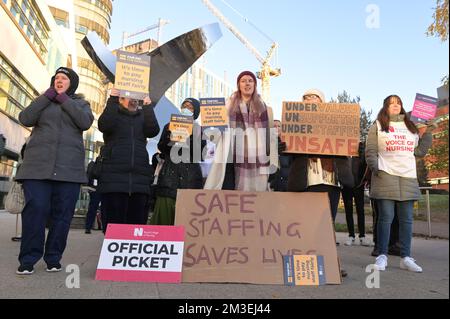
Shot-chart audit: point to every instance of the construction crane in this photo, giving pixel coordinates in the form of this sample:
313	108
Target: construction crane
266	71
158	25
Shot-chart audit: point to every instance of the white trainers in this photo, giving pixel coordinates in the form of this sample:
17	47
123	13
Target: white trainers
365	242
381	263
350	241
409	263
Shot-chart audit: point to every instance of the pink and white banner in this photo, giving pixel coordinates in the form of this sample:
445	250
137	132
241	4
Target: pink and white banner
424	108
141	253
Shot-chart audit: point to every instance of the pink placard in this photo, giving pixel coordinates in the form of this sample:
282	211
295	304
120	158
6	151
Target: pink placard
424	108
142	253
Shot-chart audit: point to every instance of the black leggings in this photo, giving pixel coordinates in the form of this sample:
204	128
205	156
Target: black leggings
334	193
358	194
121	208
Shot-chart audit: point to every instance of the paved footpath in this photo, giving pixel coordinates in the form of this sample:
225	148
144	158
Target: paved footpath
83	250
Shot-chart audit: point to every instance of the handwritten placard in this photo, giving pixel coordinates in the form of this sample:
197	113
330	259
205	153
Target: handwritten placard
323	128
235	236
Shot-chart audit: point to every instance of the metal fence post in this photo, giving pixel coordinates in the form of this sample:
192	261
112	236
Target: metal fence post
427	198
428	212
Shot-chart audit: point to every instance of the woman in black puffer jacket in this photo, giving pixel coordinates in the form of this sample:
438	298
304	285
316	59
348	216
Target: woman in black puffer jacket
184	175
126	172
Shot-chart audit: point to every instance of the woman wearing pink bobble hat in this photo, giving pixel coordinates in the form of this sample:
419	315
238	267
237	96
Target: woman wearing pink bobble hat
245	165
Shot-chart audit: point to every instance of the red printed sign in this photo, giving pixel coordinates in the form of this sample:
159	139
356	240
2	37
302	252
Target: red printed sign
141	253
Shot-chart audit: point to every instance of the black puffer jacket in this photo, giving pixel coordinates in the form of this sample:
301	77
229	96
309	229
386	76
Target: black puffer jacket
182	175
125	165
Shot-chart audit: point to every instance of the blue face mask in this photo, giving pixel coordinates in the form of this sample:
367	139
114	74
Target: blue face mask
186	112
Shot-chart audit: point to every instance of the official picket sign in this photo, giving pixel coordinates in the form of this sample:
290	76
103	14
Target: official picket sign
141	253
321	128
237	237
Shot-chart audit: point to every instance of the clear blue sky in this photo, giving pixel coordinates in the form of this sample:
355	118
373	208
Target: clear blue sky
324	44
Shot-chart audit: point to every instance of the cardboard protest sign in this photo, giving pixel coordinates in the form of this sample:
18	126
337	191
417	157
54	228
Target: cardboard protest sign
304	270
322	128
140	253
180	127
242	237
132	75
213	113
424	108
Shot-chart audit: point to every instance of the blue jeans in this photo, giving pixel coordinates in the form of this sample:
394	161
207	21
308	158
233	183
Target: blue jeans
386	210
46	201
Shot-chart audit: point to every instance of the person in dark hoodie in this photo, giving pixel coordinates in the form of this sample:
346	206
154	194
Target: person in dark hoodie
52	170
186	174
126	173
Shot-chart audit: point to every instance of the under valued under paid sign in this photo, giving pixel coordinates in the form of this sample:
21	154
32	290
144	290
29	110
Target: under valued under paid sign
321	128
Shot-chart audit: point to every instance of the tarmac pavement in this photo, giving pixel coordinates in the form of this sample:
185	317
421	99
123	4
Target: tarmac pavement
83	250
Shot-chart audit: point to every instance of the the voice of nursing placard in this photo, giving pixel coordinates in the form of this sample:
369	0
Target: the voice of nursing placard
141	253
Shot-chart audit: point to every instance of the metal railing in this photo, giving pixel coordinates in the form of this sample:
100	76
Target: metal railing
427	199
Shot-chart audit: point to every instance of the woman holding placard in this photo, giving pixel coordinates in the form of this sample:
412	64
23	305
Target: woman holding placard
324	173
125	169
178	171
392	147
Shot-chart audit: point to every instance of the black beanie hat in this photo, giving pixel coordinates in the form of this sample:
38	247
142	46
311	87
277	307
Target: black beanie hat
73	77
196	104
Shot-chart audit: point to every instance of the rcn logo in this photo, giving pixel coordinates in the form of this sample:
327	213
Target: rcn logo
138	232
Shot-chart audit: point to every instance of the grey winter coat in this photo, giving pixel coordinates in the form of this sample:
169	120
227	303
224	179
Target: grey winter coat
55	150
384	185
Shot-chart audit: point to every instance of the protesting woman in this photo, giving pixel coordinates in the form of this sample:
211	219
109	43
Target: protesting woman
52	169
392	147
312	173
126	173
250	147
176	174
